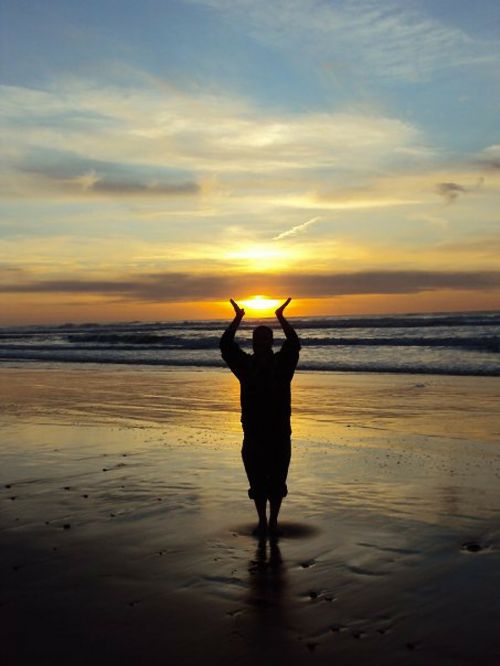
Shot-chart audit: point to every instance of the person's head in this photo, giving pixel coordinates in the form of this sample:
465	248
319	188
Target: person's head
262	340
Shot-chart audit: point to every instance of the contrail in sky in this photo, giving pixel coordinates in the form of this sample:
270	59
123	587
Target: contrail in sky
297	230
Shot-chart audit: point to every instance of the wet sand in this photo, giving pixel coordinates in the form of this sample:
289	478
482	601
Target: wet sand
125	529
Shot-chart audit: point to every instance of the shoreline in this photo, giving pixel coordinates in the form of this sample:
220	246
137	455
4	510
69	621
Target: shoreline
7	362
125	525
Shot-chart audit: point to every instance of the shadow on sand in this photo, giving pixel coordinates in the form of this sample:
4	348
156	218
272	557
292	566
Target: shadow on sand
287	530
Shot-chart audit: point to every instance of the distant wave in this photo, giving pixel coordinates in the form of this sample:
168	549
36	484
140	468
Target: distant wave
490	344
471	319
451	343
128	342
168	341
131	341
405	321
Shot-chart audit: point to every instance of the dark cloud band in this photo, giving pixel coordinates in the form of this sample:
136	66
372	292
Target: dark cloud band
179	287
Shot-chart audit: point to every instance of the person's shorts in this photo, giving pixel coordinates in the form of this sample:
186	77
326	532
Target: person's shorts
266	461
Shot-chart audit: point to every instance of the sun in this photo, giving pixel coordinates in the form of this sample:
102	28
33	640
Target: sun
260	304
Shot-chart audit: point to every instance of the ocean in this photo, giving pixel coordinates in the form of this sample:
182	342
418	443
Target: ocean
449	344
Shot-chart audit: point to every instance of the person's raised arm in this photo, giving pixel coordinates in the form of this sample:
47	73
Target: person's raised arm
231	353
230	332
288	329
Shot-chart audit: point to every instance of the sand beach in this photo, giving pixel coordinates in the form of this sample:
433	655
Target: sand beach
125	528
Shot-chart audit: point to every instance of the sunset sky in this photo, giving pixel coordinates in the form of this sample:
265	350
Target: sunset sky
160	157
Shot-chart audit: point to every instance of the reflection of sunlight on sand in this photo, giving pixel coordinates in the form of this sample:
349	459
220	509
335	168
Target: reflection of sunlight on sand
127	483
386	443
326	403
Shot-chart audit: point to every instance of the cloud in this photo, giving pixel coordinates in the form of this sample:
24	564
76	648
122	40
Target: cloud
387	40
410	187
198	134
183	287
435	221
91	183
70	172
299	228
484	247
490	157
8	272
450	191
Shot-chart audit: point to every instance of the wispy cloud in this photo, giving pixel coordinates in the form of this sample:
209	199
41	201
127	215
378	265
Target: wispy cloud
490	157
195	134
483	247
298	229
387	40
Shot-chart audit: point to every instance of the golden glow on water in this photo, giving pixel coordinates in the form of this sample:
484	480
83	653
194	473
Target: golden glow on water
260	305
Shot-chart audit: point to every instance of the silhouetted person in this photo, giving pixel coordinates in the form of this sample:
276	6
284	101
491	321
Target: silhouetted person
265	379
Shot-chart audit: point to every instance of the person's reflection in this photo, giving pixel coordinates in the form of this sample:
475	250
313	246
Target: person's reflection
267	595
267	575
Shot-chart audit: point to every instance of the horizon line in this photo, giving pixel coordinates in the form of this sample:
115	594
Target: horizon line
250	318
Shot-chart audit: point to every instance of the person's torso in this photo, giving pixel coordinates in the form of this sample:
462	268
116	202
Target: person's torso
266	395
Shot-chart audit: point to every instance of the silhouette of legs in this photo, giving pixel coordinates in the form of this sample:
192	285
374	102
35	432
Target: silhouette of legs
260	505
266	463
275	505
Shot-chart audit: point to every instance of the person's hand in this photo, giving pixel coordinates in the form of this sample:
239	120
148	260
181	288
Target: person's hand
239	312
279	311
